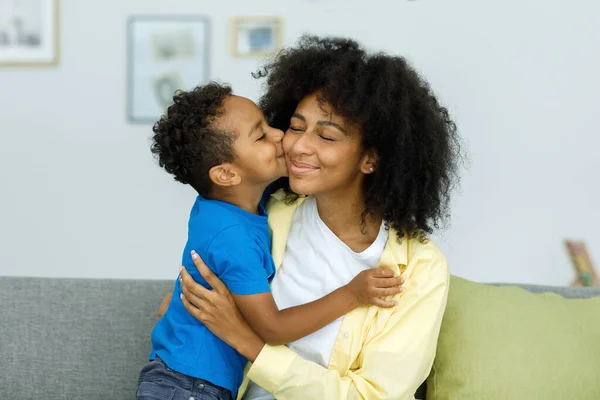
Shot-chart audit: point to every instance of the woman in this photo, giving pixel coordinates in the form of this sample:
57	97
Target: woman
375	157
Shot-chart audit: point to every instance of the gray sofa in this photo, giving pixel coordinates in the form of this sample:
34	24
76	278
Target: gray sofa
87	338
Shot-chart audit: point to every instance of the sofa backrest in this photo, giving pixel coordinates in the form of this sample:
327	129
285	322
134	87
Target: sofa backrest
75	338
86	338
564	291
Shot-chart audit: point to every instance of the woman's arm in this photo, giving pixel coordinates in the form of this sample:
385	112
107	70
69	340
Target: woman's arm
391	366
277	327
217	310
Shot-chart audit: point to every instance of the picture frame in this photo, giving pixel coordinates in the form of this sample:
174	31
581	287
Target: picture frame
165	53
29	33
256	36
582	264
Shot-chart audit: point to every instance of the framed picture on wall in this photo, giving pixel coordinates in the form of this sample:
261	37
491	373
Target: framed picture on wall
165	54
254	36
584	268
29	32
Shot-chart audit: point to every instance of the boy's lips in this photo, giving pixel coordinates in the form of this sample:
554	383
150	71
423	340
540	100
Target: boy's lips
300	168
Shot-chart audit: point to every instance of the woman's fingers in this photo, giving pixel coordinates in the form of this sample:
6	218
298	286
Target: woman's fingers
196	312
191	297
202	267
204	308
190	286
206	273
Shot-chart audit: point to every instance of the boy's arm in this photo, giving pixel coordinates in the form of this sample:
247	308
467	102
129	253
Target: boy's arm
278	327
242	272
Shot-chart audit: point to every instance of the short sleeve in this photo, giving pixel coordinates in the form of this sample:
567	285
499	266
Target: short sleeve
238	260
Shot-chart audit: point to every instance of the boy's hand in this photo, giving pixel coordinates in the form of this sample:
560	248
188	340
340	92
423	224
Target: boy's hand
371	286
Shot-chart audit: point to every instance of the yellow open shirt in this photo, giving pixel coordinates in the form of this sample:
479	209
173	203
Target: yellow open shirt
379	353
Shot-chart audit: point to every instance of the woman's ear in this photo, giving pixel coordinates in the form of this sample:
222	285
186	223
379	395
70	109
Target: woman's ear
369	162
224	175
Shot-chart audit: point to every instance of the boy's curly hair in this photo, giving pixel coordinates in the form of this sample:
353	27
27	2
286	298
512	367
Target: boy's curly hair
397	114
186	142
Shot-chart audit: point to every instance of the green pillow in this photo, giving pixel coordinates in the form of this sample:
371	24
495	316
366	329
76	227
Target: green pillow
506	343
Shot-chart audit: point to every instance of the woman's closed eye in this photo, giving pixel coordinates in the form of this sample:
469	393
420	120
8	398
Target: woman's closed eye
262	136
327	138
294	129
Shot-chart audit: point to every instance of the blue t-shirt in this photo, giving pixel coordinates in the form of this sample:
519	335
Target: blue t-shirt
236	246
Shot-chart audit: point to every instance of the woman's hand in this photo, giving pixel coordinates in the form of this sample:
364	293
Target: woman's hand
217	310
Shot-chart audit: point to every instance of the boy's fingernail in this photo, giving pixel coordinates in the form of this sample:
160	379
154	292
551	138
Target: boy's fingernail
401	290
180	268
181	296
194	255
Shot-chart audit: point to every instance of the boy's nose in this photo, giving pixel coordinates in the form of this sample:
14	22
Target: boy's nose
277	135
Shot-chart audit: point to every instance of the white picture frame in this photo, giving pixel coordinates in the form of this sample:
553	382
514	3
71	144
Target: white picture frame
256	36
165	54
29	32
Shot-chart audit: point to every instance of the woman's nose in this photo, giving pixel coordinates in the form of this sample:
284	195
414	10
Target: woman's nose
302	144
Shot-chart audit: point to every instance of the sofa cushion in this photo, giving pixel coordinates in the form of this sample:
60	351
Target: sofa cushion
507	343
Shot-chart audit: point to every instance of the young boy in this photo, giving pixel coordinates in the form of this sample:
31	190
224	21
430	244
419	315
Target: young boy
221	145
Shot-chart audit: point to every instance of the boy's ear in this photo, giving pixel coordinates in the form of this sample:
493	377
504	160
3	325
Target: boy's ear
369	162
224	175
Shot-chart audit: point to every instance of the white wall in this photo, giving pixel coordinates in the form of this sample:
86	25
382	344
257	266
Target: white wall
81	196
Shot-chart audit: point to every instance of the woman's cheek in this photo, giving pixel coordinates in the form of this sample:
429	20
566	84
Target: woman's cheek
288	141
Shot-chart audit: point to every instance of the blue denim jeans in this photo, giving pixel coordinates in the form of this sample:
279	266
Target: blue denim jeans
159	382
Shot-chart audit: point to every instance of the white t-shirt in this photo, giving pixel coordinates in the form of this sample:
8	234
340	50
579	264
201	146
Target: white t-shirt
316	262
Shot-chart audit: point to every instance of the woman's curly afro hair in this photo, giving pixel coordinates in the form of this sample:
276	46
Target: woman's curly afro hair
396	112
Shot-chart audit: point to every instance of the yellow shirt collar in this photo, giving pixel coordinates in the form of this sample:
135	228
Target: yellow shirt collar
394	256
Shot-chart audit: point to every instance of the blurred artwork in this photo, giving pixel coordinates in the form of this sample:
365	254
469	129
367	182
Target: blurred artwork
586	274
174	45
165	54
28	32
256	36
164	86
